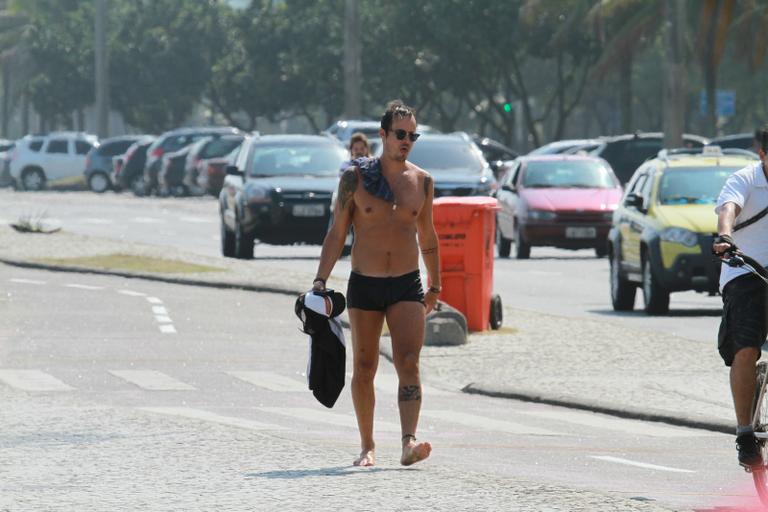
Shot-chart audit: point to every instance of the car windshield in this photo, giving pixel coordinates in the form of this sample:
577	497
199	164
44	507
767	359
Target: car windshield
297	159
447	155
219	147
567	174
693	185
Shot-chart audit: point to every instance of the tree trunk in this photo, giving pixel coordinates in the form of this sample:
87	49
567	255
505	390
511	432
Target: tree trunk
6	110
24	114
625	93
352	61
675	87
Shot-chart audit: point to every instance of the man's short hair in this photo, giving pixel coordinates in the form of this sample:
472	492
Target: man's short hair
761	138
358	137
396	109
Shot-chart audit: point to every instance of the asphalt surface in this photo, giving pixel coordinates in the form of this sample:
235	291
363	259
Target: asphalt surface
106	407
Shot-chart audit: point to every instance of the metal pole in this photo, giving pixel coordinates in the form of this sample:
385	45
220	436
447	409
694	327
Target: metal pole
675	86
352	61
102	70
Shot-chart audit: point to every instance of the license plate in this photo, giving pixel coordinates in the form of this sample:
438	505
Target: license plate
308	210
580	232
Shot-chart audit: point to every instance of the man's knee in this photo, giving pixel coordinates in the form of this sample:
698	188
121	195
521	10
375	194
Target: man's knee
364	369
407	362
746	356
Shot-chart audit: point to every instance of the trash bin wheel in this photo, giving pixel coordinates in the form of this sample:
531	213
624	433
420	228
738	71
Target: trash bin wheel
497	313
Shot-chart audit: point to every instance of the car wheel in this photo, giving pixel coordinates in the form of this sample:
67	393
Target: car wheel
138	187
503	245
243	243
179	191
99	182
622	291
227	242
601	251
655	298
522	249
33	179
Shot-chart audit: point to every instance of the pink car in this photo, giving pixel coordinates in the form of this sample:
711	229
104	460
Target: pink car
564	201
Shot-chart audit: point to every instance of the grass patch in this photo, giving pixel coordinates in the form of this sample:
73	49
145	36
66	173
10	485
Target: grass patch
133	262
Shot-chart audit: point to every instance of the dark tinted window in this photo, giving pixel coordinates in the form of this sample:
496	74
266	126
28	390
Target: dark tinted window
298	159
447	155
117	147
6	147
57	146
219	147
567	174
35	145
693	185
82	147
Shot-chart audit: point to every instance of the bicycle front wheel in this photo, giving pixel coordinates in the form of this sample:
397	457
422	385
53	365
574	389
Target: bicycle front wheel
760	424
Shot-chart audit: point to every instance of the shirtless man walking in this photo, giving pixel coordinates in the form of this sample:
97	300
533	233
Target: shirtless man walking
389	203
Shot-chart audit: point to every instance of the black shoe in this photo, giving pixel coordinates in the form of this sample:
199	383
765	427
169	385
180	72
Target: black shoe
749	450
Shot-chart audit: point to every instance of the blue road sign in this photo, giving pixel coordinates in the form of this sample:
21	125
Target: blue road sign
725	103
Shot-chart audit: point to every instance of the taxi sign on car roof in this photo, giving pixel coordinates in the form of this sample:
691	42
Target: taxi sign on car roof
711	150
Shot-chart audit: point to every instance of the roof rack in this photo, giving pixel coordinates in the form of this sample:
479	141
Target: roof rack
708	150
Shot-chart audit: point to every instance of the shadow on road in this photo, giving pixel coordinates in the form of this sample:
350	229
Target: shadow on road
672	312
290	474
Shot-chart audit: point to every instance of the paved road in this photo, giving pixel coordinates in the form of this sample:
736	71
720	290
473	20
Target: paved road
576	279
126	394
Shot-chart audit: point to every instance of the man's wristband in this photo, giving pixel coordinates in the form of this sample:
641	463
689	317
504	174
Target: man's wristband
435	289
319	279
725	239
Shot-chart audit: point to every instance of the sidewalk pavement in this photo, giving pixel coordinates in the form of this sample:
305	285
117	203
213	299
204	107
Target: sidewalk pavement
601	366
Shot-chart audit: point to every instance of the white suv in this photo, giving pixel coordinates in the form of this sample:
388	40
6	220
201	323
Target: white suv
56	158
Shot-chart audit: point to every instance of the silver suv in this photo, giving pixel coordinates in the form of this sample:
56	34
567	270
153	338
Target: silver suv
56	158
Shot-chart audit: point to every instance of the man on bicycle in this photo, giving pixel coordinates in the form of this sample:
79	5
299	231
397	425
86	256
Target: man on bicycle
743	225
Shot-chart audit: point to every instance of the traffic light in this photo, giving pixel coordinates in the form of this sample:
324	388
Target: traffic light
507	107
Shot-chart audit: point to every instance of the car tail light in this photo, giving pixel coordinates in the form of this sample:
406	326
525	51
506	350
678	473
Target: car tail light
118	166
157	152
215	168
88	161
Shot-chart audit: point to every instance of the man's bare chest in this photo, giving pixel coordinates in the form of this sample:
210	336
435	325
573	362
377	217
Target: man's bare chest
409	199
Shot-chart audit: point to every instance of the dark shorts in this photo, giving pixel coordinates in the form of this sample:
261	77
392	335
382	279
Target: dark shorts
378	293
745	318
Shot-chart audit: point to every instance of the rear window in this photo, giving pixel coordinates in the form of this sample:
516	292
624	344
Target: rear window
219	147
296	159
57	146
568	174
693	185
6	147
82	147
35	144
115	148
447	155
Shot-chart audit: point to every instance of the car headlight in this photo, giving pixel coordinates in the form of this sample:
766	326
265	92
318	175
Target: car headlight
541	215
257	195
680	236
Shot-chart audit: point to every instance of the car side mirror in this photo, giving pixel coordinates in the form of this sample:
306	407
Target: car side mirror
634	201
232	170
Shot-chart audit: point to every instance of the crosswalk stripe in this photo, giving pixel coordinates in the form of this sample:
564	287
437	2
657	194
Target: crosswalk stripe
152	380
27	281
271	381
627	462
199	414
161	319
590	419
84	286
484	423
330	418
154	300
32	380
167	329
159	310
132	293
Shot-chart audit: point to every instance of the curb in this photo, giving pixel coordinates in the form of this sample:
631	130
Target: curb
713	426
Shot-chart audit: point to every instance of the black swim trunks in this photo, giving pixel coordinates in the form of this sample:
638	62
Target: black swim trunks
378	293
745	318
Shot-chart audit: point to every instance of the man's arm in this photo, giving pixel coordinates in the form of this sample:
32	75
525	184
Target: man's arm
337	234
428	243
726	216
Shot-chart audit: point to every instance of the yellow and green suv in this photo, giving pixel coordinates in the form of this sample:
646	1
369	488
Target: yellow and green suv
662	231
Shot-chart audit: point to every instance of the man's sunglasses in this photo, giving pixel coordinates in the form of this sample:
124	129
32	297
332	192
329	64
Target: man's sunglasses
400	134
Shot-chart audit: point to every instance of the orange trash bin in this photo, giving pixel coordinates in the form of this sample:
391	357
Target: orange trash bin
466	229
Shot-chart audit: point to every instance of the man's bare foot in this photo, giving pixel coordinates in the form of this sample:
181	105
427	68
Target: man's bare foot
366	459
414	452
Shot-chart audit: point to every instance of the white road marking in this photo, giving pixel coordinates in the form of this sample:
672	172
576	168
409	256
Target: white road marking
154	300
93	220
484	423
636	427
271	381
152	380
331	418
84	286
388	383
198	220
32	380
199	414
27	281
159	310
644	465
163	319
147	220
131	293
167	329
